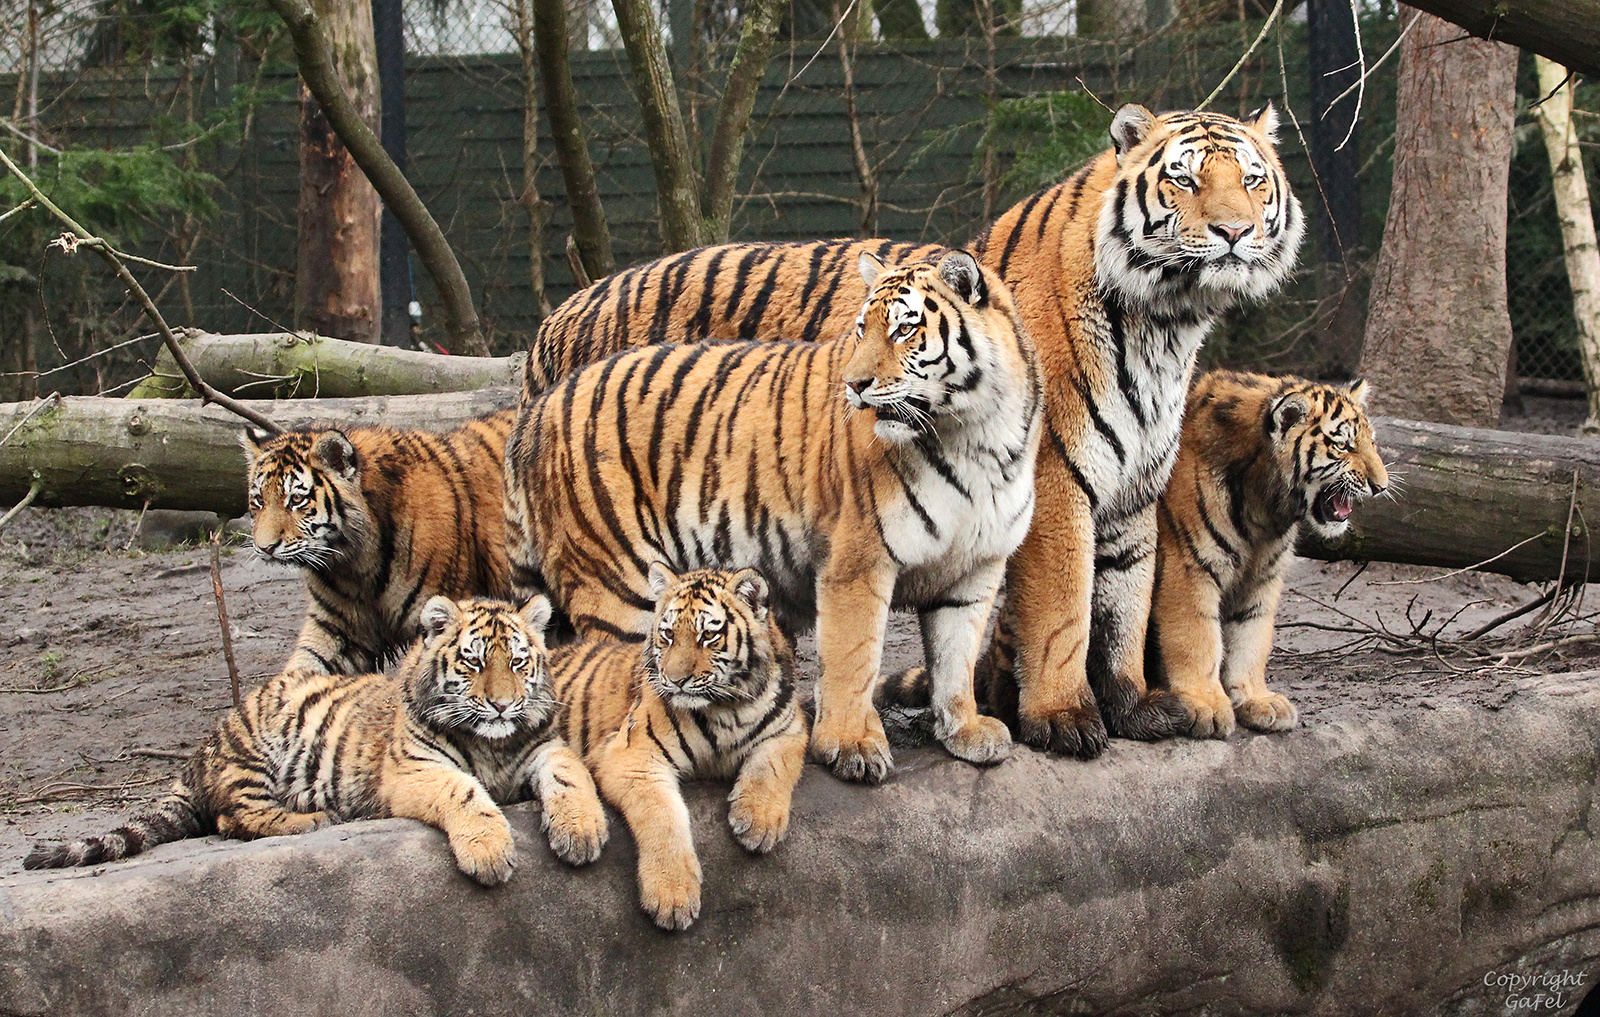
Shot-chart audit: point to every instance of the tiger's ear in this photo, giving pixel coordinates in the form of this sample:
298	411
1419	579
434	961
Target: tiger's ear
751	587
1359	391
1130	126
1265	121
337	454
536	612
252	440
960	272
1287	411
437	614
661	578
871	268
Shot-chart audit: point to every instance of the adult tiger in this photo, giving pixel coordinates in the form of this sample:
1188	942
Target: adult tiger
469	722
1260	458
379	520
893	467
1119	272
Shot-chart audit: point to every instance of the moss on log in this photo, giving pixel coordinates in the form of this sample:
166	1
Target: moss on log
283	365
172	453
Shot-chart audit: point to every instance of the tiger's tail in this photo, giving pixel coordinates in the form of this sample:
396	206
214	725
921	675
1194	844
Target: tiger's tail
175	817
910	688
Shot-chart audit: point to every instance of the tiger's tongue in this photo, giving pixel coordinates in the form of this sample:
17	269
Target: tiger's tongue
1341	505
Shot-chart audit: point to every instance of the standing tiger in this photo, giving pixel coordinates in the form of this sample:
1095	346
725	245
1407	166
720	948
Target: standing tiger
1260	457
379	520
1118	272
892	467
710	693
469	721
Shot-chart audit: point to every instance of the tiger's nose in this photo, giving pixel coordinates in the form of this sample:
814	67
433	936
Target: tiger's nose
506	707
859	386
1232	234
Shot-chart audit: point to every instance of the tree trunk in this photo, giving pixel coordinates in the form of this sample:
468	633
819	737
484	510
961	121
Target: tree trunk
171	453
1335	202
733	117
1577	221
336	276
537	209
589	229
394	253
901	19
1566	31
277	365
316	63
1471	494
1437	326
677	183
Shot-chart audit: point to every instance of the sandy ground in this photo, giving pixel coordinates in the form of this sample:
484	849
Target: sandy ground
111	668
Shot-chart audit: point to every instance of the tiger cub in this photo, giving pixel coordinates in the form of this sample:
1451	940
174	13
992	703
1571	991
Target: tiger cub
710	693
888	468
470	721
379	520
1259	458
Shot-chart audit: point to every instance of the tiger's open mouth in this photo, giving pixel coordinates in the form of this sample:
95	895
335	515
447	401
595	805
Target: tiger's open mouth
1333	505
910	412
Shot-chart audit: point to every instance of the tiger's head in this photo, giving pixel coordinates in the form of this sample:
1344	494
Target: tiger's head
714	642
1199	209
305	496
481	667
1323	444
931	341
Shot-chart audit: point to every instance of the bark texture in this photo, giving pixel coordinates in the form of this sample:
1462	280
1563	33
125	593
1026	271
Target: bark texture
1566	31
1469	494
1438	330
275	365
173	453
1577	220
677	182
589	229
336	289
1380	860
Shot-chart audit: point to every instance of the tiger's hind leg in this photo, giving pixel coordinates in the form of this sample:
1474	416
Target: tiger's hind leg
1247	638
253	819
952	637
1124	583
1187	629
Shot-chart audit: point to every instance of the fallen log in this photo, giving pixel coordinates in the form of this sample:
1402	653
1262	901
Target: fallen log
1463	497
286	365
172	453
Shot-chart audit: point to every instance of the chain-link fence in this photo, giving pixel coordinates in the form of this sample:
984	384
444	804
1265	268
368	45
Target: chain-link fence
217	95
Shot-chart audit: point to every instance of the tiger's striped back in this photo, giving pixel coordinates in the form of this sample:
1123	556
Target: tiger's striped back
379	520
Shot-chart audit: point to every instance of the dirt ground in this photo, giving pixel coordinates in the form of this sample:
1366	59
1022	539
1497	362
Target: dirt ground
111	668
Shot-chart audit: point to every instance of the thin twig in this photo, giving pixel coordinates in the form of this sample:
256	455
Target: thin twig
1549	615
1554	644
69	244
1371	70
1276	7
27	499
18	210
222	616
1457	572
1511	615
207	393
160	754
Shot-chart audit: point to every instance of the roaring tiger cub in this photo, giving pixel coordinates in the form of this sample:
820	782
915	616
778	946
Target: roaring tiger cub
1118	272
469	721
1260	457
891	467
710	693
379	520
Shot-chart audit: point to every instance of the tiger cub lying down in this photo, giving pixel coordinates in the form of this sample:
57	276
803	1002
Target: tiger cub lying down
709	694
470	721
379	520
888	468
1259	458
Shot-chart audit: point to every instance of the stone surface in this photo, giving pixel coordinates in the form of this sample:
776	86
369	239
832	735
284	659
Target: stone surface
1376	863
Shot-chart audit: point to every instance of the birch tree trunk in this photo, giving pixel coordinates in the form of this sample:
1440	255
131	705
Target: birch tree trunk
1438	328
1577	221
336	276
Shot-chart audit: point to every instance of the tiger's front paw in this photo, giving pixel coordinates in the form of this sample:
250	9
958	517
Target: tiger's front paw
1209	713
861	754
669	892
576	827
1074	731
758	821
486	852
981	740
1271	712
